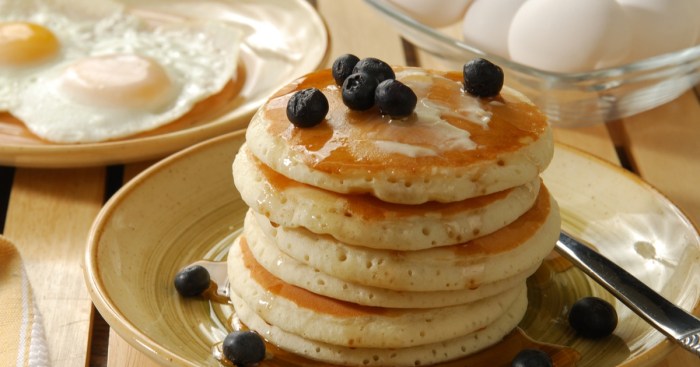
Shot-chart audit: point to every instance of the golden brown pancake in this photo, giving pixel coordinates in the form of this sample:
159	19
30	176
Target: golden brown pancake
511	250
297	273
341	323
422	355
363	219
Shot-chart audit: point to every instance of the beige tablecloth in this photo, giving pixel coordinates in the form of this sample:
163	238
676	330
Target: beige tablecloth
22	340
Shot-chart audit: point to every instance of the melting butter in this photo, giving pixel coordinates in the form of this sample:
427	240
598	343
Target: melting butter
408	150
429	115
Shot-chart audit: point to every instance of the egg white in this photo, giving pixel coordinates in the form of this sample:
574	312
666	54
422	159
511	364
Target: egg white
199	59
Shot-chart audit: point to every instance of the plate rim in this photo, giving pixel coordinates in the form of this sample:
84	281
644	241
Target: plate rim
656	353
118	321
108	310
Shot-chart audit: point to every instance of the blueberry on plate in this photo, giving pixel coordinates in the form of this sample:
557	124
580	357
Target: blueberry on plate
376	68
358	91
192	280
244	348
307	107
531	358
395	98
482	78
593	317
343	66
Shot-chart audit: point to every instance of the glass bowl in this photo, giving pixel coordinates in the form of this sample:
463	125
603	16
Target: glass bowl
568	99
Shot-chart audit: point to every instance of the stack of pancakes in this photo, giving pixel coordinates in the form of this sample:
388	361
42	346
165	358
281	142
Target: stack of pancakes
380	241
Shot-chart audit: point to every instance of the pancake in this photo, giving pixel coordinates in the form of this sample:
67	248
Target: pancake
454	146
373	240
301	275
511	250
331	321
409	357
366	221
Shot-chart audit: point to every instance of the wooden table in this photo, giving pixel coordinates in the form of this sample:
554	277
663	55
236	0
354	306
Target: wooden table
48	212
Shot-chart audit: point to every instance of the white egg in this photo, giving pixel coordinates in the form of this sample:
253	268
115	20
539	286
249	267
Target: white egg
434	13
568	35
117	75
486	24
661	26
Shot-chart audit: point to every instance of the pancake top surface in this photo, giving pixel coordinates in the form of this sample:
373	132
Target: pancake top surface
448	128
454	146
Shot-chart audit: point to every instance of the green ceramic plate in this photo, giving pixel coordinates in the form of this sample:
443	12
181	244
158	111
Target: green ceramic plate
185	208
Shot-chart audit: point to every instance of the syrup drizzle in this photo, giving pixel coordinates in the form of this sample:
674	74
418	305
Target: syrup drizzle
449	128
369	207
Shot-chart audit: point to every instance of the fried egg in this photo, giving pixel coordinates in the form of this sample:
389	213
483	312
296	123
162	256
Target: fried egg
35	35
26	47
77	76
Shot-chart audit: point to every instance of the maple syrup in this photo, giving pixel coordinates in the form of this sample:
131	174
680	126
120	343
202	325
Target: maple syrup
498	355
460	131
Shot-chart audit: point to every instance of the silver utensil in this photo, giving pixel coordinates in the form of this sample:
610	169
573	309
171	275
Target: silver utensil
666	317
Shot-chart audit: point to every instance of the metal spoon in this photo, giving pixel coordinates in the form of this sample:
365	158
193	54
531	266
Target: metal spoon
666	317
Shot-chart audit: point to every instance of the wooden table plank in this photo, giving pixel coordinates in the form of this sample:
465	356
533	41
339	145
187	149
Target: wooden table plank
593	139
123	354
48	218
357	29
120	353
665	146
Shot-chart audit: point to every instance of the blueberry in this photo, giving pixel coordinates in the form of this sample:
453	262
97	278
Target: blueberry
342	67
376	68
244	348
192	281
531	358
358	91
395	98
593	317
307	108
482	78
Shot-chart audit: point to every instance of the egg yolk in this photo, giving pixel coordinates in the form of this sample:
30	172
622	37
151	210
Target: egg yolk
118	81
25	43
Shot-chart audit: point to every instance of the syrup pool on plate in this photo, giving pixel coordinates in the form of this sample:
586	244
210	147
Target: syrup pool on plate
547	291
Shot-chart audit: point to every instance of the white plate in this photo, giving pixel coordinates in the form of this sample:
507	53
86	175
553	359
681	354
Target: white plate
184	208
283	39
